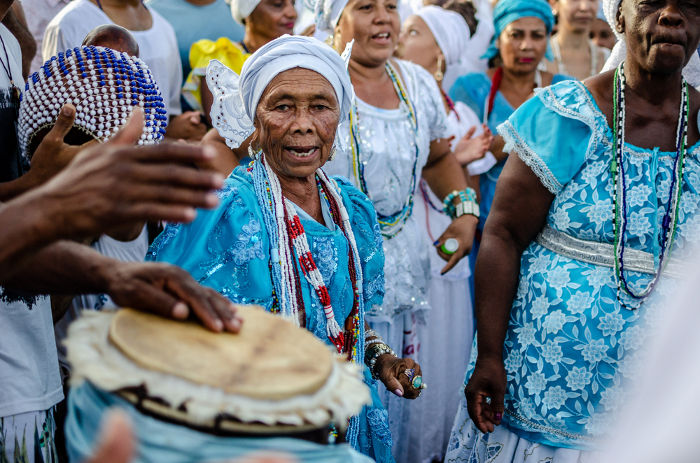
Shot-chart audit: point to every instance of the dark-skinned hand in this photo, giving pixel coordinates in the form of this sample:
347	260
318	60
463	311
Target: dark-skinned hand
169	291
391	373
188	126
114	183
463	230
484	392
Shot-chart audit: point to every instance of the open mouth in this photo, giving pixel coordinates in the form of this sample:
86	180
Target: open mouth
302	151
382	37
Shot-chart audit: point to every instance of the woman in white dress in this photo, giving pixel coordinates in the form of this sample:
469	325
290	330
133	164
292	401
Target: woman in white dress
436	38
397	132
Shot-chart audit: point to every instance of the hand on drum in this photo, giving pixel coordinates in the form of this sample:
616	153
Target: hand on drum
169	291
403	377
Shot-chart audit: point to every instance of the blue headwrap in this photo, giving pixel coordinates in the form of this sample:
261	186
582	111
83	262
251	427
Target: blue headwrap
508	11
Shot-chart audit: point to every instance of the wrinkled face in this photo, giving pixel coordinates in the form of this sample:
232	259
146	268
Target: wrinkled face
374	24
417	44
273	18
576	15
661	35
295	123
522	44
602	35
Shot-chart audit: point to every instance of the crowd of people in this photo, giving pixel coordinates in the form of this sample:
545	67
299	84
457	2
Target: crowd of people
480	206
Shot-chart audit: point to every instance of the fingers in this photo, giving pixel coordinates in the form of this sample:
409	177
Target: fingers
64	122
214	310
174	175
116	441
470	133
178	153
394	385
453	260
130	133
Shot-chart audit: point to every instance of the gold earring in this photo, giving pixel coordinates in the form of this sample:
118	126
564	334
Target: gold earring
438	73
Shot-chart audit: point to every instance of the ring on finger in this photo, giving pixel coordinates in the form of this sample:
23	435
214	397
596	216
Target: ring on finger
410	372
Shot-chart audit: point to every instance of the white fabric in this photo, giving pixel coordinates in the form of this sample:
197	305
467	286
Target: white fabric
236	98
458	127
326	13
241	9
451	33
18	435
610	7
38	14
446	344
125	251
157	45
388	154
468	445
479	42
29	378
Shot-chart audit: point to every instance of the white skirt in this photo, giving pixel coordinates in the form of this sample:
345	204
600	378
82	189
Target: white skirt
468	444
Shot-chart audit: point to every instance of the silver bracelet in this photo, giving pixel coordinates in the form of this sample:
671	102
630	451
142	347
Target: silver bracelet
371	334
373	354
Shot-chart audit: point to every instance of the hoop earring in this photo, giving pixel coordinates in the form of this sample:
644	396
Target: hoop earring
439	75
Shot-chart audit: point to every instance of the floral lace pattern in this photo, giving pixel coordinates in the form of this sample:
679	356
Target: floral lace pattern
568	336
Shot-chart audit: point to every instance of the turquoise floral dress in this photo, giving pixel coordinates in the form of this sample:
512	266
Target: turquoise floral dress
570	344
228	249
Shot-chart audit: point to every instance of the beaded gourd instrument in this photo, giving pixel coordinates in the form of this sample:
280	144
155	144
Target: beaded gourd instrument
104	86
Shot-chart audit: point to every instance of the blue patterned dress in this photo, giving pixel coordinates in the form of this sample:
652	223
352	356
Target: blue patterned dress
568	335
228	249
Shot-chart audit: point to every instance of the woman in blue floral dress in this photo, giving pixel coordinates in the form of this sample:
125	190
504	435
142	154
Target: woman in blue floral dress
286	236
601	197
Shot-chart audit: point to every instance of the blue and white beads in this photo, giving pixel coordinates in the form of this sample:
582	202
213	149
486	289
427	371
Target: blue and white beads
104	86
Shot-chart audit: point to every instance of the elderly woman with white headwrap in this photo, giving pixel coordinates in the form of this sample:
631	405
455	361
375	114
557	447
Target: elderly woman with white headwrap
397	133
287	236
598	199
264	20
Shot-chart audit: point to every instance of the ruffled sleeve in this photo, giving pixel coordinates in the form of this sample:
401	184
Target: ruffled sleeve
225	248
363	219
551	133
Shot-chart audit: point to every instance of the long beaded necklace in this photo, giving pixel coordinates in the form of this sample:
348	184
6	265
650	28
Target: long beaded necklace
390	224
288	240
670	219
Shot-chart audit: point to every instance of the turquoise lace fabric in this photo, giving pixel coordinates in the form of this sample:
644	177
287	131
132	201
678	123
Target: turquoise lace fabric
569	342
228	250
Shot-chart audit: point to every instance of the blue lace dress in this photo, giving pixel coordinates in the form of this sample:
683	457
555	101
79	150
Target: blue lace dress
228	249
569	342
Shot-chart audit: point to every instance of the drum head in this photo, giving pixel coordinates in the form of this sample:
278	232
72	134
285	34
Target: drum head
270	359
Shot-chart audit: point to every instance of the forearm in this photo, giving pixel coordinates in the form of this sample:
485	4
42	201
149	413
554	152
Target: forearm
497	148
62	268
445	175
15	21
14	188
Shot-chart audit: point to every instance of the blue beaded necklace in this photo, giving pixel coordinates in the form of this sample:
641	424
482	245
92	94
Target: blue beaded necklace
670	219
391	224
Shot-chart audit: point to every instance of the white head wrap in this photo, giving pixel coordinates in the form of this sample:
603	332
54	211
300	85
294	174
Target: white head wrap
452	35
236	98
610	7
241	9
326	13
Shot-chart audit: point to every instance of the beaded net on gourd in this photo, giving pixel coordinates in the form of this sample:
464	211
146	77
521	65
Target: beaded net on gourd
104	85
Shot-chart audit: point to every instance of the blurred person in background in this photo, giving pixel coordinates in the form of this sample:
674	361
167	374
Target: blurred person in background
574	53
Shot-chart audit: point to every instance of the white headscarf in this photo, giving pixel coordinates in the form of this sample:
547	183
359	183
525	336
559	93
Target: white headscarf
610	7
327	13
241	9
236	98
452	35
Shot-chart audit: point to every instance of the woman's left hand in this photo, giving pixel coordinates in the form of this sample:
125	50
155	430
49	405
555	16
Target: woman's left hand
462	229
400	376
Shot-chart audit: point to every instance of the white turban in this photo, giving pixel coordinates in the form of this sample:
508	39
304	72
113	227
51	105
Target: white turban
236	98
452	35
326	13
610	7
241	9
